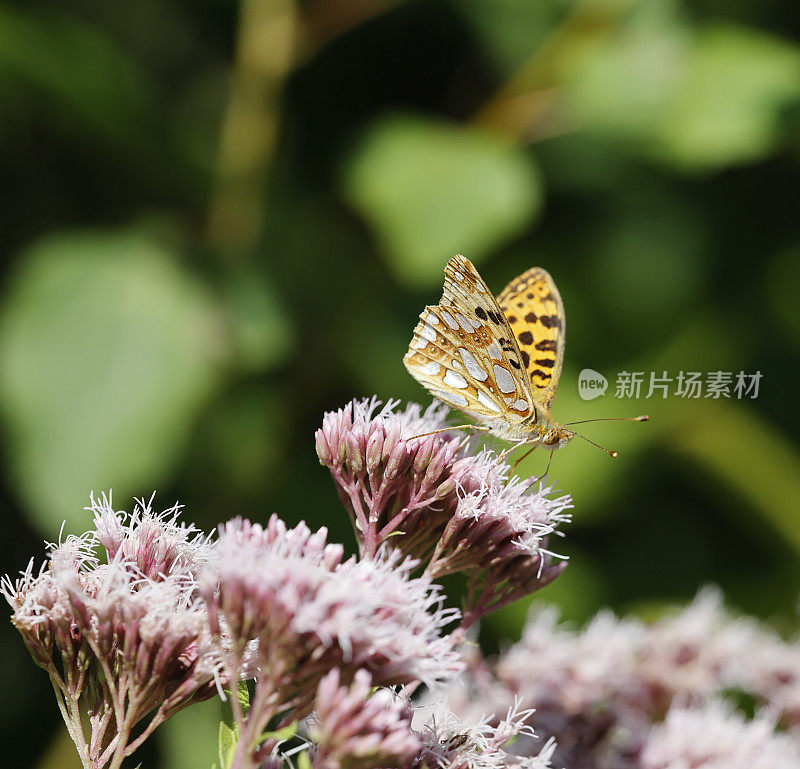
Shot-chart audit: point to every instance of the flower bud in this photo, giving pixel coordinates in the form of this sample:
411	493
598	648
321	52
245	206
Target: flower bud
391	440
447	487
397	460
374	449
323	450
355	459
436	467
424	452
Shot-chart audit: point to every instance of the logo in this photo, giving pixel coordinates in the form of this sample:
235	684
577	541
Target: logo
591	384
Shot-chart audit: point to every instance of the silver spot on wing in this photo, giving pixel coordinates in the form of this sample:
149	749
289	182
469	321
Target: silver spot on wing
453	379
473	367
504	379
456	398
488	402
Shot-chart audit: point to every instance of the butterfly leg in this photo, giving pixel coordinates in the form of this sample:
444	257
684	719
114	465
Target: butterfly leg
505	452
547	469
525	455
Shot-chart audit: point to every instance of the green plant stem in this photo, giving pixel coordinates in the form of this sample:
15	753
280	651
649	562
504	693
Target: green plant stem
264	49
526	107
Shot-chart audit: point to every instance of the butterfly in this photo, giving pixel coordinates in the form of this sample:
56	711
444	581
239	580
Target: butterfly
498	360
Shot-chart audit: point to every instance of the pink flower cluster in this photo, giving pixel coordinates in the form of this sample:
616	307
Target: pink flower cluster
617	694
290	610
125	639
452	743
357	727
143	616
715	736
408	481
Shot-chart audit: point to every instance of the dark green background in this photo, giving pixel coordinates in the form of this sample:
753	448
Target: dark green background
221	220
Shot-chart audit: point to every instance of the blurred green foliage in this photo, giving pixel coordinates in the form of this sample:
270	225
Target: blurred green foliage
107	351
425	188
222	219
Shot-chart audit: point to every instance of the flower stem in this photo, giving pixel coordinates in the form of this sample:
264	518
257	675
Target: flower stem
72	721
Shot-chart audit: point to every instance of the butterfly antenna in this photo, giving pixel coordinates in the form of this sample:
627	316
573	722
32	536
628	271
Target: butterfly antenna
640	418
612	454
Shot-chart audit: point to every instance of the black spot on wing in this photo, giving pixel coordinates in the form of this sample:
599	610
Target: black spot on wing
525	337
480	312
546	362
531	317
550	321
526	359
494	317
546	345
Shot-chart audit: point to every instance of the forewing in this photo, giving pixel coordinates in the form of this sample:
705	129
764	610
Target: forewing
532	305
463	351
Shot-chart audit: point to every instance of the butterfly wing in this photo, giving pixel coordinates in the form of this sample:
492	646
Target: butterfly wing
464	352
534	310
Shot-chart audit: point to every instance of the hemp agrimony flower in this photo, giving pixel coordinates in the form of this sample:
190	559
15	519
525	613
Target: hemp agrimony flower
433	497
356	728
156	545
451	743
310	612
393	483
601	692
497	536
124	641
716	737
145	615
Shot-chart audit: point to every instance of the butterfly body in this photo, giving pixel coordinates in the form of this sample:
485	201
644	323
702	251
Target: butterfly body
543	429
497	360
540	428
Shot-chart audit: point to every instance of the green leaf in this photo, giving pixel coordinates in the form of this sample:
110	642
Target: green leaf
620	86
228	737
280	735
696	99
430	189
228	730
260	328
510	29
243	695
108	349
728	106
79	66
